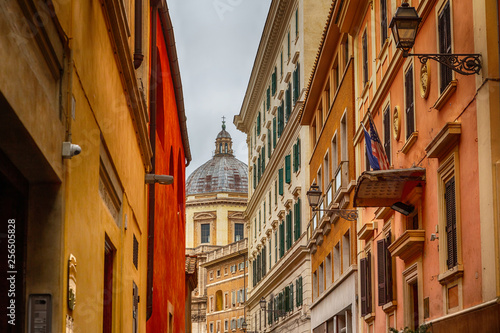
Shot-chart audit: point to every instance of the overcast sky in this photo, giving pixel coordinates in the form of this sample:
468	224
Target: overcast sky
216	42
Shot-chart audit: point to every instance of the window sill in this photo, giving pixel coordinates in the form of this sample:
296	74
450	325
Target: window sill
409	142
451	274
369	317
390	307
445	95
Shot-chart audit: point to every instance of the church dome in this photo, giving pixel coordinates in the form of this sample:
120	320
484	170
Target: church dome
223	173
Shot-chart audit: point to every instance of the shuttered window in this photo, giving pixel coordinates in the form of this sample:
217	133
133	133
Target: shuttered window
264	266
381	266
281	120
365	58
274	132
268	97
387	132
298	154
135	257
287	298
383	22
444	31
282	239
288	171
298	291
288	101
254	171
269	143
280	177
451	223
273	82
263	160
296	83
365	272
410	110
288	231
258	124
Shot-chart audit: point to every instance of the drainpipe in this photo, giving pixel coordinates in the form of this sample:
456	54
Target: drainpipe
138	56
152	138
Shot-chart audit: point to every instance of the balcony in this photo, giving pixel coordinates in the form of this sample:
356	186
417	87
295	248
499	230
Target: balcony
408	245
340	188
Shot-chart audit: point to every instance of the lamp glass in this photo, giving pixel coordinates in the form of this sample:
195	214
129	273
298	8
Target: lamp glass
404	25
313	195
262	303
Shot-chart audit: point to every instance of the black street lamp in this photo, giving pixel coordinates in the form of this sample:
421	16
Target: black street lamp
314	195
404	26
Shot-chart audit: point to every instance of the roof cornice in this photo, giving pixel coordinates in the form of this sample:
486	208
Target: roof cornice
272	35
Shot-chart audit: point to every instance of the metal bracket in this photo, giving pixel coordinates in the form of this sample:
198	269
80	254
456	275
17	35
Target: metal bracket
465	64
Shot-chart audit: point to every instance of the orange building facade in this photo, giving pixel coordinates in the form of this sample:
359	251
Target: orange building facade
329	114
429	260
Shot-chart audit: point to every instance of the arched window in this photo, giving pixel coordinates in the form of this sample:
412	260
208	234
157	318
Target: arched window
225	148
220	148
218	300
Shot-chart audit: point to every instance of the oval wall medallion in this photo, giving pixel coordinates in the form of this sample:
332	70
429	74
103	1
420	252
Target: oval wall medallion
396	123
425	80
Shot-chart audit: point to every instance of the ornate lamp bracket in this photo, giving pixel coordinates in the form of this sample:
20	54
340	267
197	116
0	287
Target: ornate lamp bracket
465	64
346	214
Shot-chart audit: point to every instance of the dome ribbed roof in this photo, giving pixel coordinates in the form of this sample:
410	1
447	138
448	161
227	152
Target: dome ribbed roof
223	173
223	134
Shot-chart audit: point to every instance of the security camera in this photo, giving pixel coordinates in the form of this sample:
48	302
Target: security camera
69	150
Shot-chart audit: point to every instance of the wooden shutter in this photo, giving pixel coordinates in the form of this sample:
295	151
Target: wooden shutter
263	261
274	132
291	297
365	58
444	30
383	22
451	223
300	290
268	97
254	170
298	153
288	98
388	271
381	270
258	124
287	298
269	143
282	239
294	157
368	283
410	116
280	178
263	159
135	257
288	171
254	275
362	265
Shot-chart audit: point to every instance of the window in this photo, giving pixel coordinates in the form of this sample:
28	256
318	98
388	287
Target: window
383	22
366	285
328	270
444	30
346	52
321	279
135	257
297	220
288	43
296	84
226	325
238	231
298	291
211	304
109	254
205	233
268	95
288	171
336	262
346	251
327	97
450	215
335	162
218	273
274	130
296	23
233	324
135	308
409	106
275	246
288	230
226	300
211	327
296	156
280	176
288	100
315	285
319	180
343	138
273	81
387	132
336	78
218	300
281	64
384	270
282	239
270	251
326	168
411	285
269	143
281	119
365	58
211	275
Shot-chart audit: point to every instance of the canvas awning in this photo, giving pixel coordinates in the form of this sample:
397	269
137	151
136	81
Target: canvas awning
383	188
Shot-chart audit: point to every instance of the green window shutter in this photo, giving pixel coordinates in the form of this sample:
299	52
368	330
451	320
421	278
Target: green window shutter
294	81
275	192
288	231
297	23
288	100
275	246
297	292
254	177
301	292
274	132
263	159
298	154
287	298
295	157
258	124
268	97
259	163
273	83
288	41
268	143
288	172
280	176
282	239
298	219
291	297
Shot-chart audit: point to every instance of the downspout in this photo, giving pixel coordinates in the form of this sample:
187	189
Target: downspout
138	56
152	138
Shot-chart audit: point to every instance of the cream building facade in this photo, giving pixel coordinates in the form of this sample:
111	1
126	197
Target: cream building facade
279	268
216	199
